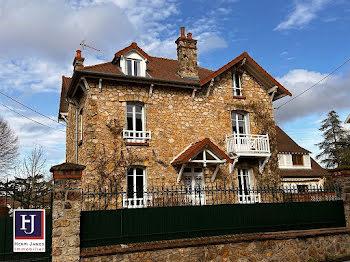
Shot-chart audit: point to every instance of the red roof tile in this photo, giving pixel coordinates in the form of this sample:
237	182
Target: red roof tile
131	47
286	144
194	148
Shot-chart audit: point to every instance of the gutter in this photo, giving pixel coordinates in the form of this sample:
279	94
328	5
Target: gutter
134	79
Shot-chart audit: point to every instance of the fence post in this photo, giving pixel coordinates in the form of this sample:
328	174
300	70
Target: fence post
66	209
342	180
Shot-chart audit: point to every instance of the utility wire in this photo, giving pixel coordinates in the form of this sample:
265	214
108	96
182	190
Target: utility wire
331	73
9	108
1	93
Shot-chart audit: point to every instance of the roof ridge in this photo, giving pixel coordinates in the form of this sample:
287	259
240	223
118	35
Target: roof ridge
175	60
97	64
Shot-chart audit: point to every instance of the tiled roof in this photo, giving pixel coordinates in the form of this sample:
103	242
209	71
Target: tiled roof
103	68
167	69
315	171
286	144
194	148
158	67
63	103
130	47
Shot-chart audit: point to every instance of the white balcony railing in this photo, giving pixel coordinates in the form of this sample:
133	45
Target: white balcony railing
247	144
136	136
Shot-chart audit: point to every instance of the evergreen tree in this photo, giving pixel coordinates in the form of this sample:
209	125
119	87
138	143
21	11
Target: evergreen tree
333	146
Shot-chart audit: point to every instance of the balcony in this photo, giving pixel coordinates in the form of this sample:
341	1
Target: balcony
248	145
133	136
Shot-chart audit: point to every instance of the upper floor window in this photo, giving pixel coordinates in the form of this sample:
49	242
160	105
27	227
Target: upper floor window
135	123
133	67
297	160
239	122
236	85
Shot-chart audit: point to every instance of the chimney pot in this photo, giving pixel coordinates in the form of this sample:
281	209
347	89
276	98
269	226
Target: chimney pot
183	32
78	54
78	62
189	35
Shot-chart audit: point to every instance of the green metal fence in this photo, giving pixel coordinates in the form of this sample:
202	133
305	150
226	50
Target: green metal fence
6	242
109	227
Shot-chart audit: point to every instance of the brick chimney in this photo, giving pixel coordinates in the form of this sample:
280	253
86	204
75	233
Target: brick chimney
187	55
78	62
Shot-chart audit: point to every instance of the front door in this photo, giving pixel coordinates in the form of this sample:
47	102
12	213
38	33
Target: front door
194	186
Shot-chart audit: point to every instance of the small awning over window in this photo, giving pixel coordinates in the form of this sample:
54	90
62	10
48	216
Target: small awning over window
202	152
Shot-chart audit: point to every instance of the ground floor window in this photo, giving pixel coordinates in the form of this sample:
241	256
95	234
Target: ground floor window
246	190
194	185
135	184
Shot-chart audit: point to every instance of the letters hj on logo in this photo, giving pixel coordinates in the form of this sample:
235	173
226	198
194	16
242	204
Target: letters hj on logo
29	230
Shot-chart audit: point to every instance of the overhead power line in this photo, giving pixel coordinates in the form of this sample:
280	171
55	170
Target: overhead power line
303	92
18	102
39	123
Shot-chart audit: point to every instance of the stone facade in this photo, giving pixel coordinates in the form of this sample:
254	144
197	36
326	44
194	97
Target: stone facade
66	209
187	55
175	119
311	246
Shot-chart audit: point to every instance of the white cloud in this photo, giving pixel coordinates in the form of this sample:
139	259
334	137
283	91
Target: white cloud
328	95
303	13
31	75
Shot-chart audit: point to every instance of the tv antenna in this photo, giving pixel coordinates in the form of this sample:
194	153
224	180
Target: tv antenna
83	46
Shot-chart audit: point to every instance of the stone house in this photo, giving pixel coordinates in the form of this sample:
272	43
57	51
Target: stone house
298	170
141	120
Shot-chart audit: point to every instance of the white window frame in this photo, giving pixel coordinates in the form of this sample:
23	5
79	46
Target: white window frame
136	136
192	193
234	85
251	196
245	119
135	202
133	61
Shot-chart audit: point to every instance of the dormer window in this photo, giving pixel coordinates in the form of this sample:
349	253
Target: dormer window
236	85
133	67
297	160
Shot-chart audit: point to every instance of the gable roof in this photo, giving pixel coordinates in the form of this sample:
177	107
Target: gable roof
252	62
194	148
131	47
63	103
315	171
285	144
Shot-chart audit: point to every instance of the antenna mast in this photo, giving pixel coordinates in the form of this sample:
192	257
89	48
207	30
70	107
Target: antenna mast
83	46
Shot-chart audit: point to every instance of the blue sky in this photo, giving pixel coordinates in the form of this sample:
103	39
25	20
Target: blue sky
297	42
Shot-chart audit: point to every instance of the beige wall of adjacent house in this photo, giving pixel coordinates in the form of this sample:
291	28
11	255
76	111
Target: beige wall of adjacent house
285	161
175	120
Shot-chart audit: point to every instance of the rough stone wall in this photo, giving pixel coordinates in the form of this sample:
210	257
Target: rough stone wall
66	220
187	57
343	182
70	135
310	249
175	121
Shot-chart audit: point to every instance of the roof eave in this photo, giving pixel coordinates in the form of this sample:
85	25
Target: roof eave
125	78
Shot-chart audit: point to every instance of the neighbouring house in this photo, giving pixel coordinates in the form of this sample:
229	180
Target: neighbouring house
347	120
298	170
140	120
